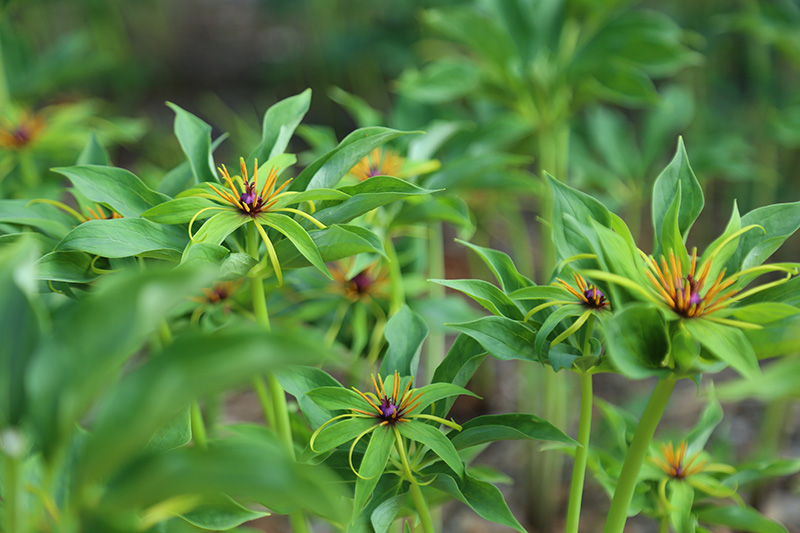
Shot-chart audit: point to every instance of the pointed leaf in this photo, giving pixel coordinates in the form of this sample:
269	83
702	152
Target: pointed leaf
124	237
435	440
666	188
279	124
298	236
485	294
405	332
727	343
489	428
501	266
194	136
502	337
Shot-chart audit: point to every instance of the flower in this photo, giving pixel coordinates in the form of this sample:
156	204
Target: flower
24	132
256	204
675	463
677	466
362	286
99	214
394	411
590	296
379	162
682	293
389	409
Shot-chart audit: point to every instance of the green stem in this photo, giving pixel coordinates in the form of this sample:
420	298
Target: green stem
30	176
12	493
271	395
198	427
584	430
398	296
264	399
435	347
422	508
618	513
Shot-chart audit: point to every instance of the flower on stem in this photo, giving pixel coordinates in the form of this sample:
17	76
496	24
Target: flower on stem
362	286
379	162
257	204
679	466
392	407
588	295
16	136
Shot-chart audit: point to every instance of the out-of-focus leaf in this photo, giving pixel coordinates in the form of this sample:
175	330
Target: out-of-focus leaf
502	337
741	518
221	516
67	266
638	341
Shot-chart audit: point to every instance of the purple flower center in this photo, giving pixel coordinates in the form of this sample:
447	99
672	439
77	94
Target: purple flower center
374	171
593	293
248	197
362	281
695	298
387	409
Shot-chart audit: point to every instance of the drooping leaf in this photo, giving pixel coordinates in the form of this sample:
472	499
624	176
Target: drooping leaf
124	237
486	294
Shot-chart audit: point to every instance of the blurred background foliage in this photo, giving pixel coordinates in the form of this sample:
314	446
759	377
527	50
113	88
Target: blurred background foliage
592	92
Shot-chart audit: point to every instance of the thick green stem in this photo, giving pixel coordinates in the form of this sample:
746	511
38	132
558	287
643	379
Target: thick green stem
198	427
581	455
618	513
435	346
584	430
271	395
422	508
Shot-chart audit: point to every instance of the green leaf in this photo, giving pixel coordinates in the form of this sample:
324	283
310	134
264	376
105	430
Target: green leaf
727	343
435	440
120	189
194	365
458	367
485	294
221	516
79	359
279	124
194	136
311	195
337	398
666	187
638	341
490	428
681	497
326	171
541	292
217	228
777	380
440	81
502	337
483	498
298	236
373	463
553	321
334	243
779	221
363	114
341	432
123	237
625	84
670	238
93	153
298	381
761	313
178	211
174	434
501	266
438	391
19	327
568	240
366	196
41	216
741	518
405	332
225	468
384	514
67	266
709	420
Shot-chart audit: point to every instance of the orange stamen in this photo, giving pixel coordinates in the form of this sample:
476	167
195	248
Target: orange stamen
366	398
